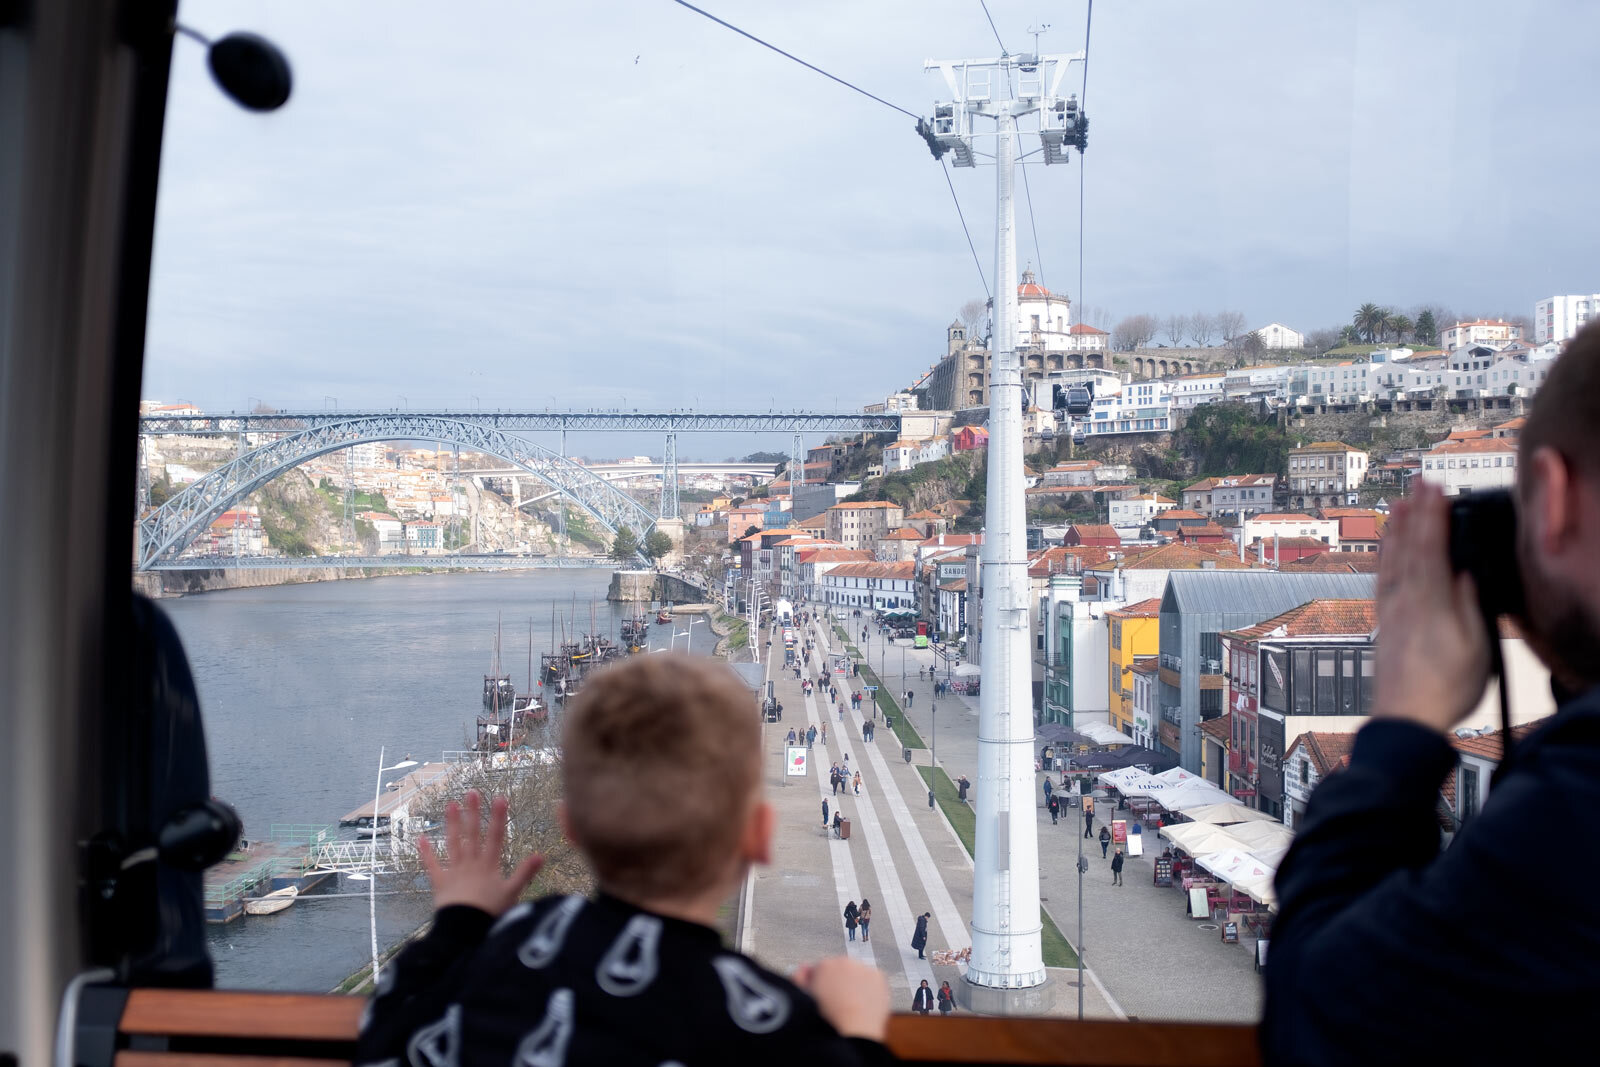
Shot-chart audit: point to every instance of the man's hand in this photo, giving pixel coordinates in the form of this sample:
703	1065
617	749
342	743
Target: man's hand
1433	653
470	874
851	995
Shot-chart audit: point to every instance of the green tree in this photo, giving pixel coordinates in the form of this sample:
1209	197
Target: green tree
1369	320
626	545
1426	331
1400	326
657	544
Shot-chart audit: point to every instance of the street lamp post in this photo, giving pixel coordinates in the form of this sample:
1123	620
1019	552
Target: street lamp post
372	872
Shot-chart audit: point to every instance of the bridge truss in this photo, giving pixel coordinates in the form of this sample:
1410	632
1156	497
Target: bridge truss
442	561
165	532
549	421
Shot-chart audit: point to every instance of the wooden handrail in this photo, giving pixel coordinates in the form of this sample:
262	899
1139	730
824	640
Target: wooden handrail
226	1016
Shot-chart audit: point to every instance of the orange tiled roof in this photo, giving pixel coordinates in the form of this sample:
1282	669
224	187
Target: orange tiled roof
1181	513
1328	751
1096	529
1142	609
903	533
1220	728
1336	563
1317	618
1484	444
903	569
1489	746
865	504
1179	557
1083	328
959	585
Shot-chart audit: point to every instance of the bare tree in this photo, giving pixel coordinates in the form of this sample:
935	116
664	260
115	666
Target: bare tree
973	315
1201	328
1092	315
530	780
1230	324
1319	341
1135	331
1175	327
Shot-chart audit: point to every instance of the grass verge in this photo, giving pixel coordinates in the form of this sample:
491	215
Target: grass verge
1057	952
886	702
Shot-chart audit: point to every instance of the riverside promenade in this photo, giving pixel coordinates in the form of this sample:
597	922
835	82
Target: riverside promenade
1153	960
902	855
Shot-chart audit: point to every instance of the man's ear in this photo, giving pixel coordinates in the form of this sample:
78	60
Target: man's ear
1553	508
756	845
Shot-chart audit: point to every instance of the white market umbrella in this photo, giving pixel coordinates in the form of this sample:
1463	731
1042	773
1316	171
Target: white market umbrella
1228	811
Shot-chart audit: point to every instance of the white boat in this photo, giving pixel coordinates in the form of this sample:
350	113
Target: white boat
273	902
381	830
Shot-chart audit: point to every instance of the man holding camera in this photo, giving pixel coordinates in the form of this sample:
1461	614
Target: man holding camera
1386	948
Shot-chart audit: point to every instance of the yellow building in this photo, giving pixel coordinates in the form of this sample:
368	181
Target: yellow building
1135	631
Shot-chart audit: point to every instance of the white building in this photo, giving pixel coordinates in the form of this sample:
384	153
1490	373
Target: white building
1465	466
1290	524
1142	407
1233	495
1044	319
888	587
952	618
1247	383
933	449
1137	512
1557	318
900	456
1277	335
1195	389
1479	331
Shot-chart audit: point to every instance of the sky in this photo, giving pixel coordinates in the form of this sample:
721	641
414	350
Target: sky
621	204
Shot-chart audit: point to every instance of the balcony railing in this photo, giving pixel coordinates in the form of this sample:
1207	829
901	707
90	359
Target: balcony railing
1171	662
1172	713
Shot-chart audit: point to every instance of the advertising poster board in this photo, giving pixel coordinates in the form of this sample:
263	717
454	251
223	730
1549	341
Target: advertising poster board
1119	831
795	761
1199	903
1136	848
1230	933
1163	870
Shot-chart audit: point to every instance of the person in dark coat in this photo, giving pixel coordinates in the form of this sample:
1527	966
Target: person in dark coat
824	811
1365	889
864	916
922	1000
1105	841
1116	867
1088	824
850	919
947	999
919	939
1054	804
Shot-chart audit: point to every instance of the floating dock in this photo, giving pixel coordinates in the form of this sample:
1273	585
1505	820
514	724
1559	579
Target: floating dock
399	793
286	858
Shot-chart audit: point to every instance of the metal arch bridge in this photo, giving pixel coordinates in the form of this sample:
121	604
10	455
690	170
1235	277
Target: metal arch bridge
414	561
165	532
560	421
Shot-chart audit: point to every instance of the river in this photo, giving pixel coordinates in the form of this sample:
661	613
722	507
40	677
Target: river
301	685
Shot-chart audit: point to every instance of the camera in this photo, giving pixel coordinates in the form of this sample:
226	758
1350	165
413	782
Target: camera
1483	539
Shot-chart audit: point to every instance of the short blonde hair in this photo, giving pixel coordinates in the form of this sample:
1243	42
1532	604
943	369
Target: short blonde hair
662	758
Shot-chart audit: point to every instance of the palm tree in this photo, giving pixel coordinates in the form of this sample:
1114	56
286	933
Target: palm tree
1401	325
1369	319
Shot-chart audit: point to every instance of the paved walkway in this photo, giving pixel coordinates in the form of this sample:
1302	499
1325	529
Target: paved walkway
1154	961
902	855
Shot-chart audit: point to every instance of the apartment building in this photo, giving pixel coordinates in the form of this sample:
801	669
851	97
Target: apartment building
863	523
1325	473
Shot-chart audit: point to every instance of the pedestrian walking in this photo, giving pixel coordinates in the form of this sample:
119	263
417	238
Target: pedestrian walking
833	779
1116	867
850	919
824	734
1054	804
947	999
1088	823
790	739
838	820
1105	841
919	938
841	712
864	917
1048	789
857	783
824	812
922	1000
